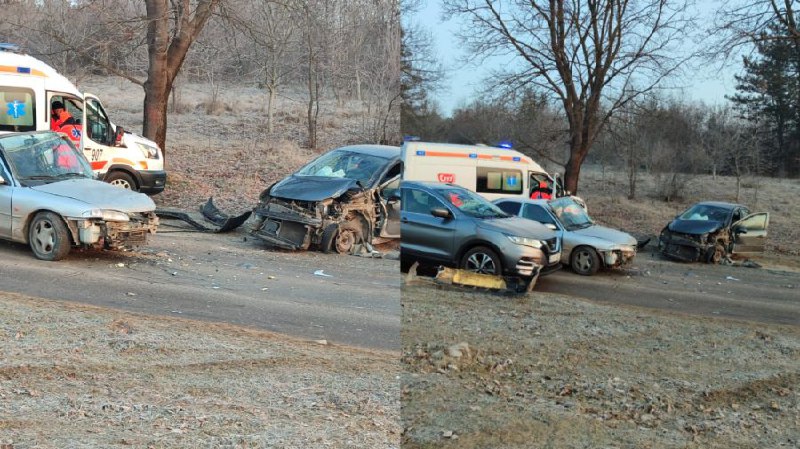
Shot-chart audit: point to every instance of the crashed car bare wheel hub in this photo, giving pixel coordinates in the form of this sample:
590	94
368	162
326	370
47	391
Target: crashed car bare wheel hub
481	263
345	240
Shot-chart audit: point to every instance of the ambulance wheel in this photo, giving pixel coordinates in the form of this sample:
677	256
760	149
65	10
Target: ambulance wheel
48	237
482	260
121	179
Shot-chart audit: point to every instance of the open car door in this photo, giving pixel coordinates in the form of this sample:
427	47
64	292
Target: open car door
750	233
389	194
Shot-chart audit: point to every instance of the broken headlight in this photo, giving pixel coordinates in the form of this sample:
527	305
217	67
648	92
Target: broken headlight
106	215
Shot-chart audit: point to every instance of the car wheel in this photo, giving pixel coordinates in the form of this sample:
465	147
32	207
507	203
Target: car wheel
48	237
585	261
716	254
482	260
341	238
121	179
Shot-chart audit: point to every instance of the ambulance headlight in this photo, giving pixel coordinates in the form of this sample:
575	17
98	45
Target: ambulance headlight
149	152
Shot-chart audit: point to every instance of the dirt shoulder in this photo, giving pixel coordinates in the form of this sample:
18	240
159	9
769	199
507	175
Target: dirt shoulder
80	376
548	370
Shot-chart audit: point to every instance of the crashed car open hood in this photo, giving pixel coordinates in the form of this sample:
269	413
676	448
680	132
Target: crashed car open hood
603	233
694	226
99	195
311	188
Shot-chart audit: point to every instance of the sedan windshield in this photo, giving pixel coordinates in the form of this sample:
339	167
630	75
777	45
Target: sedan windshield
471	203
345	164
44	158
571	214
705	212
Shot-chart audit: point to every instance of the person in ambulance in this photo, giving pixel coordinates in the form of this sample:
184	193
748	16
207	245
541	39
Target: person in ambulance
63	122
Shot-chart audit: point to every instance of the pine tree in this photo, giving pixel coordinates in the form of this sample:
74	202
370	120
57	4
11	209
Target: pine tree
768	95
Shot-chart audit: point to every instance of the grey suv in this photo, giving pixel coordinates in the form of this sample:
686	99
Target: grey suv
444	224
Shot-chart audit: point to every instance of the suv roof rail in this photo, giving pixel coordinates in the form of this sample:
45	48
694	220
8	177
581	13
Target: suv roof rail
13	48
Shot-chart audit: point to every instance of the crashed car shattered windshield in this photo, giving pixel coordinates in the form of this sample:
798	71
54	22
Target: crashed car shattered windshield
343	198
710	231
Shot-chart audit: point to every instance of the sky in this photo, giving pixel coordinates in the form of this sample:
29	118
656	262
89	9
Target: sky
463	81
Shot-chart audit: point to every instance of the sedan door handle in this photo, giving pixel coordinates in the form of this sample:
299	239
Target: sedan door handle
404	220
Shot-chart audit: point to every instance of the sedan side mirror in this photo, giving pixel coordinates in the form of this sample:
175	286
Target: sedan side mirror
2	180
441	212
740	230
394	197
551	226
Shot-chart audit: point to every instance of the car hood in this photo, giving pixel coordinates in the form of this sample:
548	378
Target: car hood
311	188
612	236
694	226
520	227
99	195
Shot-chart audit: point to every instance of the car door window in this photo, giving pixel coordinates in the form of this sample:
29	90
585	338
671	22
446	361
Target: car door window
419	202
755	222
510	207
537	213
98	126
17	109
389	189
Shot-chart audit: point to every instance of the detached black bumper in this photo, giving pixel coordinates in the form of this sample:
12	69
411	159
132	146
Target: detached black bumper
151	181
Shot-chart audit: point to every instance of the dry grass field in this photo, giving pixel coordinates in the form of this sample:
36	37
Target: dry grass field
551	371
75	376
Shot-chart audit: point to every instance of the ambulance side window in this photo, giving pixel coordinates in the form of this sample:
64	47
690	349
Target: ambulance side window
498	180
17	109
98	127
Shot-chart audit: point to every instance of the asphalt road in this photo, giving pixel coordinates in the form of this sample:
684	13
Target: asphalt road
752	294
227	278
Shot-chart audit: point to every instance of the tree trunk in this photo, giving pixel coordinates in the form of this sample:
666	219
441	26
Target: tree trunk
270	108
578	149
166	50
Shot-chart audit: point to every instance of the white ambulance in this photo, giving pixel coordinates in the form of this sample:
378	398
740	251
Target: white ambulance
493	172
28	87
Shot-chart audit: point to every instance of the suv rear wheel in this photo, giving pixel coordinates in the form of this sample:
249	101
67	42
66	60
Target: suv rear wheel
482	260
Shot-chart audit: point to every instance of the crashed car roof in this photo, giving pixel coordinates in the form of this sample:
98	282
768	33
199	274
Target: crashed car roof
717	204
384	151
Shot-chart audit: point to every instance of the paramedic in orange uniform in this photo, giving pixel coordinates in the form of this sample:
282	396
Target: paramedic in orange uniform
62	121
542	192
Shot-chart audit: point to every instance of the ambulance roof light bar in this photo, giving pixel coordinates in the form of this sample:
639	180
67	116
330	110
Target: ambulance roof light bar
11	48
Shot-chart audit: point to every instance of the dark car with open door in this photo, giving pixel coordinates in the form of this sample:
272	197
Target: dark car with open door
344	197
710	231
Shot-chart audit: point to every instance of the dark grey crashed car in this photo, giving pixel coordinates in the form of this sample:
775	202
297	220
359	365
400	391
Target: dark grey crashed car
709	231
342	198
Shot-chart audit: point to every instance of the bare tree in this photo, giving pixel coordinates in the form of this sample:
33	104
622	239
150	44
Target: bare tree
172	26
594	56
739	23
108	31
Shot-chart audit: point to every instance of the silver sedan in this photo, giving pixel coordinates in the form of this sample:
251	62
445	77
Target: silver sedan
50	200
586	246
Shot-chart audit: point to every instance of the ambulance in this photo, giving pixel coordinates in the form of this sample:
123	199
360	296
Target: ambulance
492	172
28	87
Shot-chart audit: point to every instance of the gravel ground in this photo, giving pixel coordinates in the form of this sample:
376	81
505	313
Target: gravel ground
550	371
83	377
